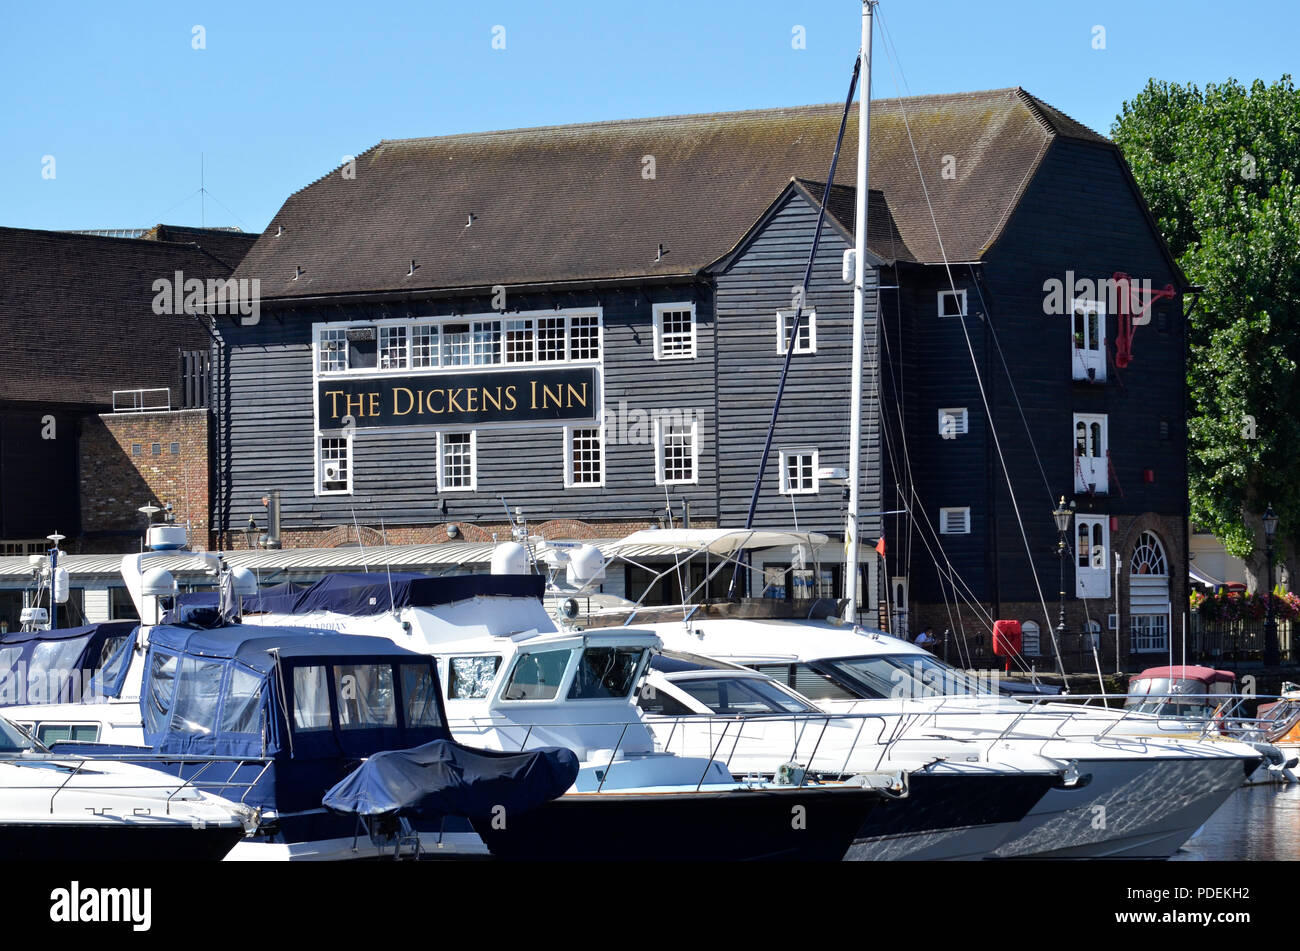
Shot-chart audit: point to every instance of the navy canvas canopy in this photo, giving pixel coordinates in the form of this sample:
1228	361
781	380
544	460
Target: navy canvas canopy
444	778
314	702
357	593
57	660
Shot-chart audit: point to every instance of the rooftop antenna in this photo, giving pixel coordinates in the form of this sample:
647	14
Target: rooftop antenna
203	194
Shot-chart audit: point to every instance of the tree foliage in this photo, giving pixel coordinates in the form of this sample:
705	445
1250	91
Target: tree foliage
1218	169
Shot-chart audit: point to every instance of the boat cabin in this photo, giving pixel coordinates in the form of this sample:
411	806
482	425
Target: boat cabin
1180	691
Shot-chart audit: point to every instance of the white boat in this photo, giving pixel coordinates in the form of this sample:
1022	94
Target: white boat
71	808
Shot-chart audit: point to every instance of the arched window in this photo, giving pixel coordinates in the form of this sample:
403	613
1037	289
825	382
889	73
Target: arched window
1148	556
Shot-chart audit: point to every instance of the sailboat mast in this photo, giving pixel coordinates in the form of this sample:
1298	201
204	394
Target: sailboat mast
851	540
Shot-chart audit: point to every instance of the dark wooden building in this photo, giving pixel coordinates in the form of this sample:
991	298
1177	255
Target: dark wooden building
447	323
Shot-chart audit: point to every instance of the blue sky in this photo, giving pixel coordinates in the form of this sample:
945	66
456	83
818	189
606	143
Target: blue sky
117	94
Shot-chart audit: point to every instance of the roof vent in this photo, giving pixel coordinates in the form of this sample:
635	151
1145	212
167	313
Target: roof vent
469	219
279	230
297	272
413	267
659	256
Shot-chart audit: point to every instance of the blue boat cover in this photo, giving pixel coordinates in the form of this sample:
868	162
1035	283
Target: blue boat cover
360	594
53	666
443	778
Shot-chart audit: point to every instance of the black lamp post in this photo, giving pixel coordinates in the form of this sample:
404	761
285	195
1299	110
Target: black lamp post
1062	514
1272	656
250	533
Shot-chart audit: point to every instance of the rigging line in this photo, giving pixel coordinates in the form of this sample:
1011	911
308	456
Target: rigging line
160	217
1015	505
988	318
915	503
798	313
223	205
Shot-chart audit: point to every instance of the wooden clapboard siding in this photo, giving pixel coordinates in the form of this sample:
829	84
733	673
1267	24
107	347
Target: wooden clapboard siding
266	439
815	409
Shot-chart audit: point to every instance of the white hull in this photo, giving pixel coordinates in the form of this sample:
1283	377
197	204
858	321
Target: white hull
1136	808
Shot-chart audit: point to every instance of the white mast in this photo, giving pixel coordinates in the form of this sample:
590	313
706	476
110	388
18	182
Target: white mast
851	540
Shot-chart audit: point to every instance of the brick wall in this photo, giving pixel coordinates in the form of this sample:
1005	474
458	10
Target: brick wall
467	531
119	472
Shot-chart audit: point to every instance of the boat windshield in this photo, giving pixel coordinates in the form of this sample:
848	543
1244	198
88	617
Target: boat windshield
1170	698
906	676
14	740
742	695
606	673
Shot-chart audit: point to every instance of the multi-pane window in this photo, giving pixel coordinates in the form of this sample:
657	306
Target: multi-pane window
335	470
457	345
520	341
429	344
674	326
487	343
806	341
1091	468
798	471
584	337
584	457
954	521
424	345
1088	346
333	348
392	347
456	464
551	343
1091	544
675	451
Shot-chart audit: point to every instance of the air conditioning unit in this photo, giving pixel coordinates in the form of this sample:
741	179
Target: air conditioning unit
331	472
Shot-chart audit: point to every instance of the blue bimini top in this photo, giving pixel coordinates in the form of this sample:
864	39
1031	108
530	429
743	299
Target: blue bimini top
357	594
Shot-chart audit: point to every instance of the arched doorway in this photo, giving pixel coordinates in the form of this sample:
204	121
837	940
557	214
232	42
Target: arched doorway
1148	595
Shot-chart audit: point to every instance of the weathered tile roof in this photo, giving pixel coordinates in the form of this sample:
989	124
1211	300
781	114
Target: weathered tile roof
576	203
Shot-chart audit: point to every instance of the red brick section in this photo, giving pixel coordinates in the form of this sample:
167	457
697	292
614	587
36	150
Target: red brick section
467	531
115	481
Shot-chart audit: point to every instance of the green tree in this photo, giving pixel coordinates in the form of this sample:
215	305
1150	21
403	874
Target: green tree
1218	168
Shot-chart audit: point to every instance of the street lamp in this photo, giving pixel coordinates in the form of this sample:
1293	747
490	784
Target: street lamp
250	533
1272	656
1062	514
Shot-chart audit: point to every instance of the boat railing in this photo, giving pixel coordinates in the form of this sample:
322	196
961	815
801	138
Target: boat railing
1058	720
176	783
746	737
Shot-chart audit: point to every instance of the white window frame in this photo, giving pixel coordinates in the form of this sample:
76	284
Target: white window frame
569	483
959	416
659	333
945	516
808	322
1084	358
1097	465
473	461
1092	580
659	453
346	436
796	452
960	295
478	325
